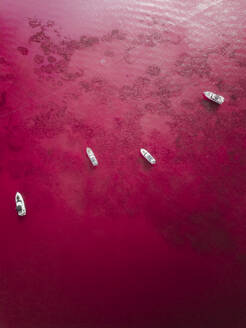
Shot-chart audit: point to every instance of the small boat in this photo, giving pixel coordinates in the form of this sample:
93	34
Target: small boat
20	205
212	96
147	156
91	156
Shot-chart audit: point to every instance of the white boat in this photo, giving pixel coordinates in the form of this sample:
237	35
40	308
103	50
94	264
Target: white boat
91	156
212	96
147	156
20	204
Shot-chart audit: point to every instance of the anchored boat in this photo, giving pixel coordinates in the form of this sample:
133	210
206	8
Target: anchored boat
212	96
147	156
91	156
20	204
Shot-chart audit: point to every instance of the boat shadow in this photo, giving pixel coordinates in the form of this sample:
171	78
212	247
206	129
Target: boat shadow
209	105
145	164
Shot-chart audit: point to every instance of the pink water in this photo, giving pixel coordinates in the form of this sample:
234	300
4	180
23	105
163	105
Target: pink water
123	245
